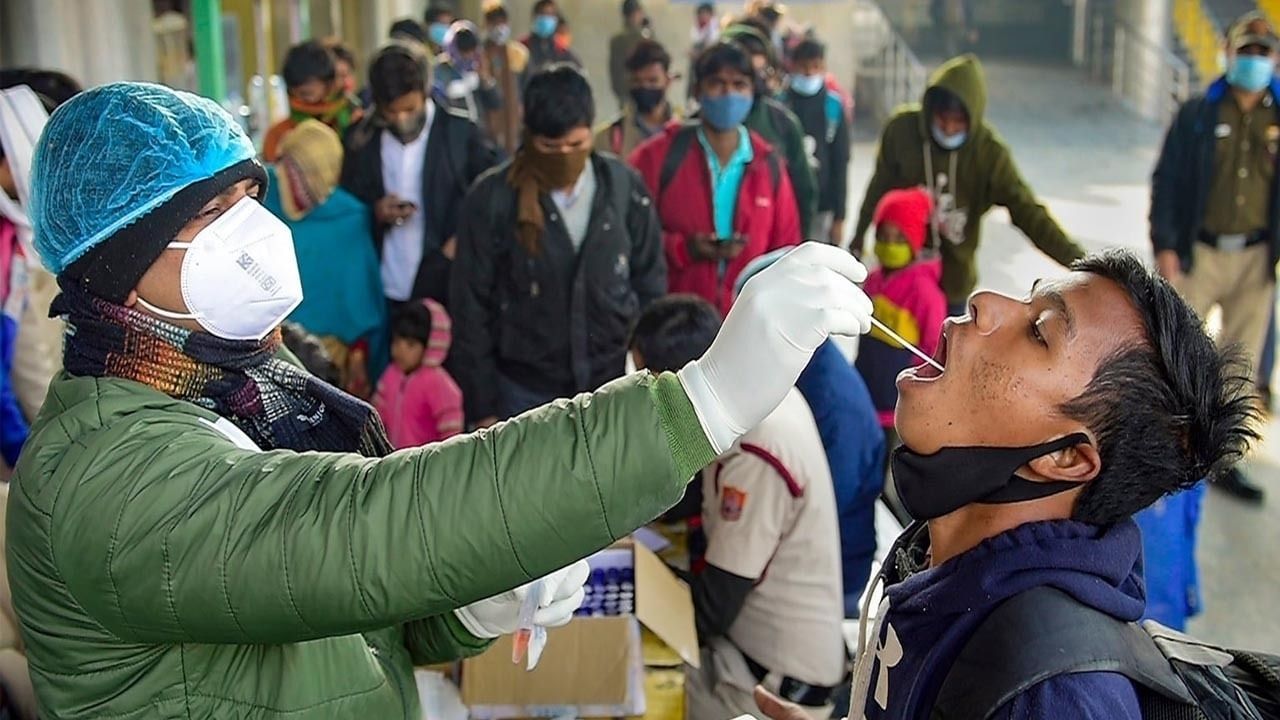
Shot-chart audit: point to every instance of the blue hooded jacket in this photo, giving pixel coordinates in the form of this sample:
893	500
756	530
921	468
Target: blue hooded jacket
854	443
933	612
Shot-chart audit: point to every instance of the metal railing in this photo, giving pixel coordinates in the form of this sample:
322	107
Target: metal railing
888	72
1144	75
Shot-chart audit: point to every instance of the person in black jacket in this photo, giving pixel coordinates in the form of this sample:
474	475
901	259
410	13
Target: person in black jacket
558	252
412	162
820	110
1215	200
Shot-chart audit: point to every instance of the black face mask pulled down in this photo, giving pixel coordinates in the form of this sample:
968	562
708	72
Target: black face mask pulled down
931	486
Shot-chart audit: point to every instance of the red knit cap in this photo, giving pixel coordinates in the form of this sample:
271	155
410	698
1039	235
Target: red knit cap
907	210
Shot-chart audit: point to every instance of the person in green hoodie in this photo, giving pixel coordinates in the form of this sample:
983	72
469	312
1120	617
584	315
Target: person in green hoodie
774	121
199	528
946	145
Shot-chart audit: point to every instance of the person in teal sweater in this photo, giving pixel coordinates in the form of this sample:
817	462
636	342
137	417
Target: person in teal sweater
341	285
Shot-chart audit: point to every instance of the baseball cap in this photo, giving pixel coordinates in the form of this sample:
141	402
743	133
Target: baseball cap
1252	29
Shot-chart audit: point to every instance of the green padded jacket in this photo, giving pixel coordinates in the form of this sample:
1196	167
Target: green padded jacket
162	566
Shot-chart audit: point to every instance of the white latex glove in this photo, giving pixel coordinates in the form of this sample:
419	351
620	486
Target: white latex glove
781	317
562	594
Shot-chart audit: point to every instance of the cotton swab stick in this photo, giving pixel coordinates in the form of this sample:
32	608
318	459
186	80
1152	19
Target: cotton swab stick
898	339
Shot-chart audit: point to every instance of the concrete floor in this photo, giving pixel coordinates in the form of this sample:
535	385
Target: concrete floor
1090	161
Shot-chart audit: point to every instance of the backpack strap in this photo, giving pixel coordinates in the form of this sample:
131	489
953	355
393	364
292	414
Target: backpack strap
675	155
1040	634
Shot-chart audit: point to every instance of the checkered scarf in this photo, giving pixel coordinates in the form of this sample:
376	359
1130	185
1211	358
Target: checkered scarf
275	403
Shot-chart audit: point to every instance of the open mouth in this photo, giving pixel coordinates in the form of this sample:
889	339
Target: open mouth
925	371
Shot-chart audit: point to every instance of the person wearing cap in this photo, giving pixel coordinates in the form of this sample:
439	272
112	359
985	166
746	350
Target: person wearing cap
635	27
1215	199
200	528
946	145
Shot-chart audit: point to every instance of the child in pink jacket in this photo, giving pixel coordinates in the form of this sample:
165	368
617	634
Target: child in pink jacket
418	400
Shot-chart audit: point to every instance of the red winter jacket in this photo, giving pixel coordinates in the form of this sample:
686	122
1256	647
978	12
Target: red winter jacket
766	214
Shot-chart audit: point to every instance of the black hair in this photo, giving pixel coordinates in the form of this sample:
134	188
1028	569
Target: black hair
940	100
706	7
465	40
412	322
557	100
395	71
497	14
310	352
437	10
722	55
308	61
341	51
543	5
53	87
673	331
809	50
646	53
1166	413
630	7
408	28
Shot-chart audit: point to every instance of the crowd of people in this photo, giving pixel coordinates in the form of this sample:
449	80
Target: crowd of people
451	240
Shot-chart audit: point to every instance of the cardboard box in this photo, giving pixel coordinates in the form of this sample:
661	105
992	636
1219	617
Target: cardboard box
594	666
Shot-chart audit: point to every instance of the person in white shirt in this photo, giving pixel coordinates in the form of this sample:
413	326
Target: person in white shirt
412	162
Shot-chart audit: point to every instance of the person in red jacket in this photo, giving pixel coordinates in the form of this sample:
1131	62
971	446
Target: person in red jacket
722	192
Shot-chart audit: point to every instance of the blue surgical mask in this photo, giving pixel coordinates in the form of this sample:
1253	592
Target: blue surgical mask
1251	73
808	85
948	142
544	26
727	111
436	32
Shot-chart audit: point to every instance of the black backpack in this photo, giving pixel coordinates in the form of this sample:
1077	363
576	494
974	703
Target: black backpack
684	137
1043	633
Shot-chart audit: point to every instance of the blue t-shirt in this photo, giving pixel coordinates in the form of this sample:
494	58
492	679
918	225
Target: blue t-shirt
726	182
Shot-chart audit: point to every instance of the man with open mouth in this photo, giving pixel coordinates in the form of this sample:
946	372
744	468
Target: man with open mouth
1050	421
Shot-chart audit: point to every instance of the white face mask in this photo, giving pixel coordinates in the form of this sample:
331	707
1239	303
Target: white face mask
240	275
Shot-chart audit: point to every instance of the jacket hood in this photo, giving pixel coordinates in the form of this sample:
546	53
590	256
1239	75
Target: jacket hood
441	335
964	78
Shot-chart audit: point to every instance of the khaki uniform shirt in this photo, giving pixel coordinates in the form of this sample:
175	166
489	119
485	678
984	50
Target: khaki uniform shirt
769	512
1243	168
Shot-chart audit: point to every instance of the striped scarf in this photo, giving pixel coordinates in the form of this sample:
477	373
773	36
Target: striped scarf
277	404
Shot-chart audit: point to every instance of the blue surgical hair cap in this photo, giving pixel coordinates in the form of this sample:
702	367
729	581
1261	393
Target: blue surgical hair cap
112	154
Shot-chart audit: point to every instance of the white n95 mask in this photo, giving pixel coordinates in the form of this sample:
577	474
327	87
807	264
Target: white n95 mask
240	274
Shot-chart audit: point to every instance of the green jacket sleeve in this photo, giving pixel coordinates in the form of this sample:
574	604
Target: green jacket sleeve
441	639
165	531
1028	214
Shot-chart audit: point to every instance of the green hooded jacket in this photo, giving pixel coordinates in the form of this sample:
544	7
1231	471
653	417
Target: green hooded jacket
981	173
164	567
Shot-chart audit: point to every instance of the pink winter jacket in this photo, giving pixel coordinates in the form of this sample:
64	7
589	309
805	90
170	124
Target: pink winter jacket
424	406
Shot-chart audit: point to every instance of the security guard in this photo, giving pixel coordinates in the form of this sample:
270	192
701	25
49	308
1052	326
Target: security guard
1214	199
